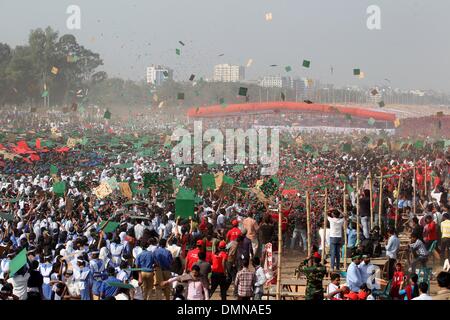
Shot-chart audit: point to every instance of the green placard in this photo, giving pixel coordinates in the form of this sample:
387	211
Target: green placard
53	169
59	188
150	179
18	262
228	180
243	91
110	227
347	147
184	207
120	285
107	115
208	182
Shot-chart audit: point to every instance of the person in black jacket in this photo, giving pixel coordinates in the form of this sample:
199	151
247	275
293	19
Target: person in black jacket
364	213
35	282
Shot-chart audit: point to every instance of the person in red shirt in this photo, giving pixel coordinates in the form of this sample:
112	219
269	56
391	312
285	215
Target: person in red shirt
397	280
218	275
234	232
192	256
429	231
209	248
351	296
344	293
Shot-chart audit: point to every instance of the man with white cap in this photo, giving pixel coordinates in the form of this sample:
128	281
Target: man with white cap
46	269
98	272
83	275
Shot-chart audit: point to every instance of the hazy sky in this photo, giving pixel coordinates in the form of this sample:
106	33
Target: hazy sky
412	49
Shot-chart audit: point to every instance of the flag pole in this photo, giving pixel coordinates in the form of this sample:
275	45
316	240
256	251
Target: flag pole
425	180
398	197
308	223
414	186
324	245
380	202
358	225
280	248
345	228
371	199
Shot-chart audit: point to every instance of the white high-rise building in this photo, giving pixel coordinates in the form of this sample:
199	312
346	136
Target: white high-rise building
276	82
228	73
156	75
271	82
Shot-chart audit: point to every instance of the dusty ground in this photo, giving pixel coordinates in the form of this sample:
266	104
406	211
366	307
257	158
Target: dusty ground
292	259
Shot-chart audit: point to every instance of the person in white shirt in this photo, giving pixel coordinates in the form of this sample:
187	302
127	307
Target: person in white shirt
333	286
423	288
260	279
366	268
354	280
392	248
136	294
327	239
123	294
20	284
336	223
139	230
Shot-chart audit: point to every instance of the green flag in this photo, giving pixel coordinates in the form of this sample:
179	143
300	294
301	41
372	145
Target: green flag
107	115
118	284
53	169
111	226
270	187
238	168
164	164
371	121
228	180
347	147
184	203
308	148
150	179
178	51
84	141
349	188
124	165
59	188
18	262
7	217
113	183
356	72
306	63
419	144
243	91
44	94
208	182
440	144
288	68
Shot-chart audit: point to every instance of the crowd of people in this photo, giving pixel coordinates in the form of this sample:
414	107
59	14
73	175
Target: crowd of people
93	228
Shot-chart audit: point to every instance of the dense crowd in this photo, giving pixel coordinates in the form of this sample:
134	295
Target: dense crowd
91	226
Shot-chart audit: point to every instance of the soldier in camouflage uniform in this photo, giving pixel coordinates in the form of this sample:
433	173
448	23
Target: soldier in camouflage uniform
314	276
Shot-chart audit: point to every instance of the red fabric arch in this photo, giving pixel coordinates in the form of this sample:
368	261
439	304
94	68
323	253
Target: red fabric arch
219	110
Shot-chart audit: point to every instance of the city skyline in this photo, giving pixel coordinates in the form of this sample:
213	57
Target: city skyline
334	37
